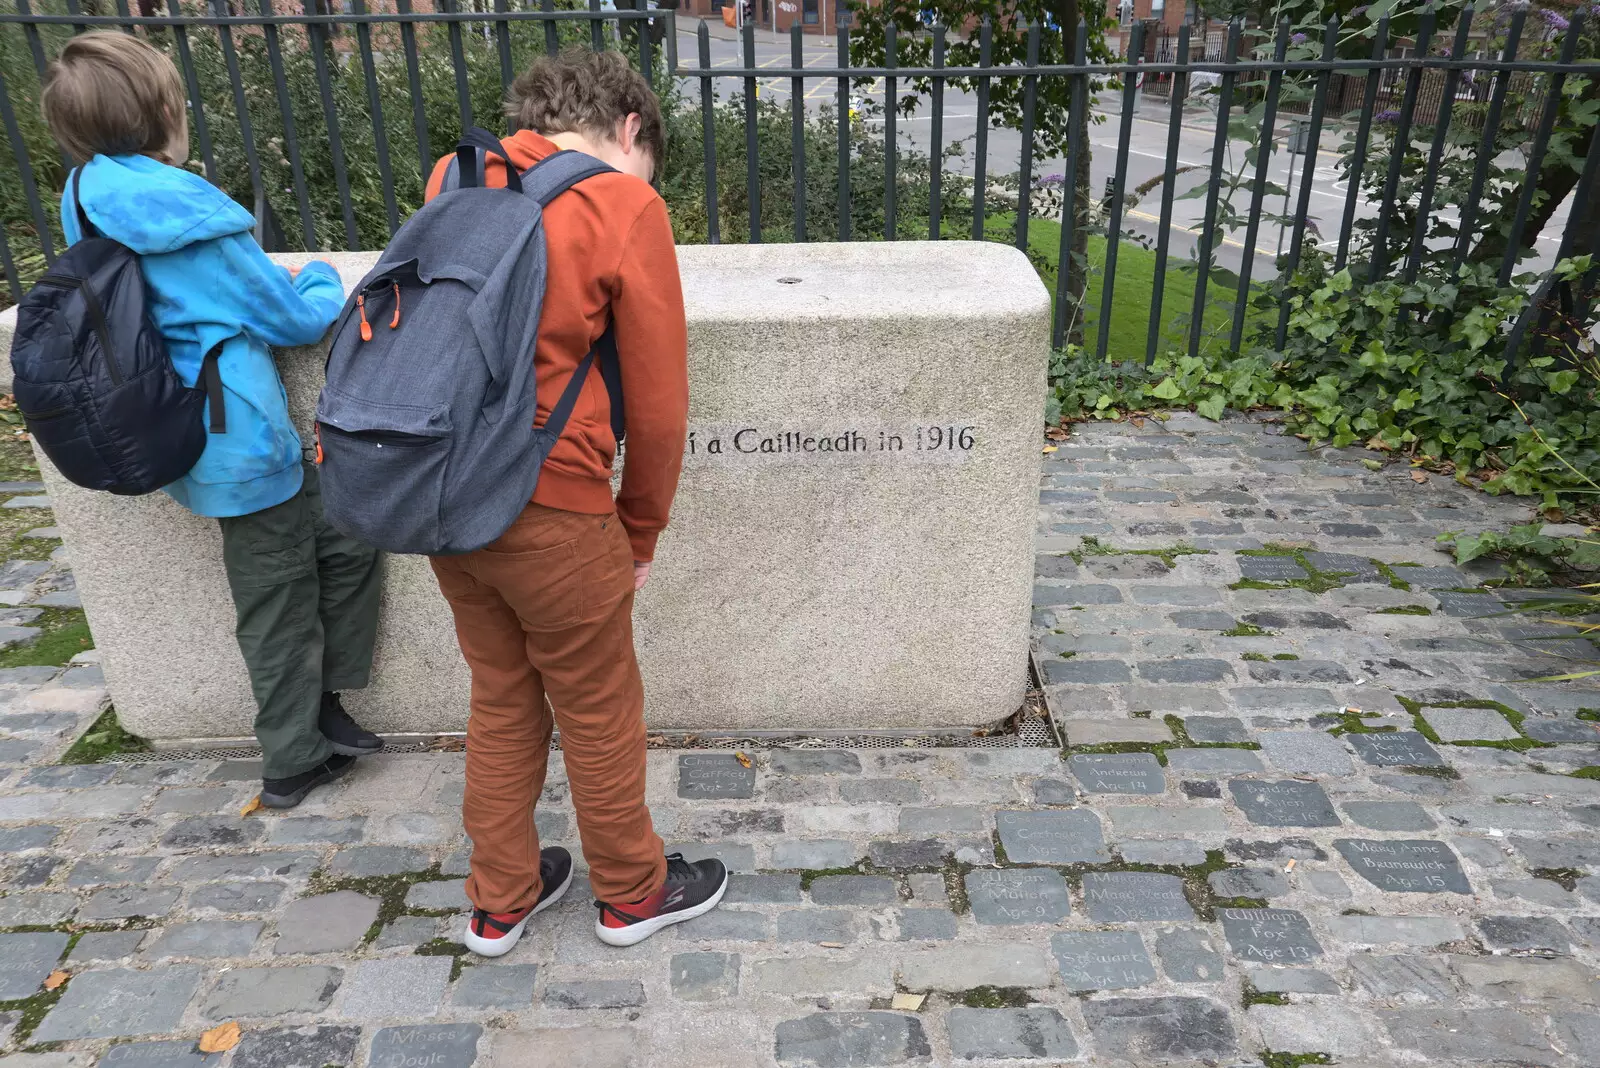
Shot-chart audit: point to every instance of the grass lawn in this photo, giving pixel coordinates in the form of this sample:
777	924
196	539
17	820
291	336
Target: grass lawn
1130	301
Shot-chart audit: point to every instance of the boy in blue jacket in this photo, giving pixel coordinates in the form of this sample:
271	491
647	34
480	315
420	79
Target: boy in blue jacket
306	596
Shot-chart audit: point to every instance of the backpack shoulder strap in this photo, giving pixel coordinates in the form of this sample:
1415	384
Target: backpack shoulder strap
557	173
545	181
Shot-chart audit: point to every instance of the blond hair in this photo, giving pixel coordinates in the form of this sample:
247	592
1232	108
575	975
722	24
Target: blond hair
587	92
112	94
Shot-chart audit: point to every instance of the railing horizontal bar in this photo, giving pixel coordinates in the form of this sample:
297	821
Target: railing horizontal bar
621	15
1244	66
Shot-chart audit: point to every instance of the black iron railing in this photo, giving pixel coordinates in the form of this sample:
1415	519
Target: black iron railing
1402	93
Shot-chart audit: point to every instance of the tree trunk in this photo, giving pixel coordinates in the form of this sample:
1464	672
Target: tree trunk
1557	183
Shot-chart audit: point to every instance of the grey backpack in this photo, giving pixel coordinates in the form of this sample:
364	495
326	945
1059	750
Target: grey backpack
425	428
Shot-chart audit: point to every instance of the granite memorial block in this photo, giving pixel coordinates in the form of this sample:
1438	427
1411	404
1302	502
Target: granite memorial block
1120	897
1069	837
1285	803
858	491
1418	866
1396	749
1018	895
1118	773
1102	960
714	777
1269	936
426	1046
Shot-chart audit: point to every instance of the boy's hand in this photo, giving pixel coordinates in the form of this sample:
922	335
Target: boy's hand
641	574
294	272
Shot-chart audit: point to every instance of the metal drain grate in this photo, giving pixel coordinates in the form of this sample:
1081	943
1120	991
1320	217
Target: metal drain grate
1031	734
1032	728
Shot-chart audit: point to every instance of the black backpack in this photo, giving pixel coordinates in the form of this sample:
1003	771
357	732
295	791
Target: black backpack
93	379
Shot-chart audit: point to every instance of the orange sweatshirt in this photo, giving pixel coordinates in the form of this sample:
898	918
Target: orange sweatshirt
611	259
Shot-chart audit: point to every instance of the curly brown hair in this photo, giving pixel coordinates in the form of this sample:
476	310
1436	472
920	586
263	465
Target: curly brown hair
587	92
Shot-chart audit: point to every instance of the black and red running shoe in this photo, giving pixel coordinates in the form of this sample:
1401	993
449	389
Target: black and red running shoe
492	934
690	890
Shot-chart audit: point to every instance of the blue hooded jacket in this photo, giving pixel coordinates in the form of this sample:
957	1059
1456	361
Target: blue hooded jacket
208	282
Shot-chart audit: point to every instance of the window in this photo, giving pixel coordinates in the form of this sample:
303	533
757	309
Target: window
809	14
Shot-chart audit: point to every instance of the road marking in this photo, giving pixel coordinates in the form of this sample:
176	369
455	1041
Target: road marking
1229	241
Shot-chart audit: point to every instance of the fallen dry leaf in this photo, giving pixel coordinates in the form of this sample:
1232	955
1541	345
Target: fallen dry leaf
1050	449
1419	477
446	744
255	803
743	760
56	979
904	1002
831	945
220	1039
1055	433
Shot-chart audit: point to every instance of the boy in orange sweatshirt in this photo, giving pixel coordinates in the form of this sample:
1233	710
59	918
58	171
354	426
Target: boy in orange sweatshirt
547	609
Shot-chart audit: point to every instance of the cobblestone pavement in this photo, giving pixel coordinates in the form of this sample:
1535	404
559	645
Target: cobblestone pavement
1227	868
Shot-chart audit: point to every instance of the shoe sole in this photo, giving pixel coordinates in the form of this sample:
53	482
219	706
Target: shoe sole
291	800
355	750
499	947
635	933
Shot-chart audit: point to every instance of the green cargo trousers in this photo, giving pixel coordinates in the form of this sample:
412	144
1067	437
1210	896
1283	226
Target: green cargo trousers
307	603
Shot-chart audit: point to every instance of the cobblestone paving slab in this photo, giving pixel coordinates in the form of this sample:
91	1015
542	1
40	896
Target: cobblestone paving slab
1288	821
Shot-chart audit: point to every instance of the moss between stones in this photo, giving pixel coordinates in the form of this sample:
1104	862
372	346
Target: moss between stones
1142	714
1389	573
1592	771
1406	610
1519	744
1436	771
1270	1059
1251	996
995	997
445	947
1351	723
1092	546
1317	582
955	885
1566	878
390	890
1246	630
1196	888
811	875
33	1011
1285	656
1254	657
1590	714
1239	902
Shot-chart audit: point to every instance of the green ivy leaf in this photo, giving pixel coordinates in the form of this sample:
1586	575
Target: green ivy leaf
1166	389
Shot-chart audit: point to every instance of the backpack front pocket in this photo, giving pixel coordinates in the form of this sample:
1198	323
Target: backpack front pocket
383	477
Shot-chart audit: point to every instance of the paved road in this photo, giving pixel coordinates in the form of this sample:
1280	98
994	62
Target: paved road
1147	152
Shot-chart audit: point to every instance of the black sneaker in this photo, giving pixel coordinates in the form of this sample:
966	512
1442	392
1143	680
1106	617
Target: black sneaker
343	733
287	793
492	934
690	890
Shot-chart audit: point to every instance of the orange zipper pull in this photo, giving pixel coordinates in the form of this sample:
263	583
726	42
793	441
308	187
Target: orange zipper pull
396	320
317	429
366	327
